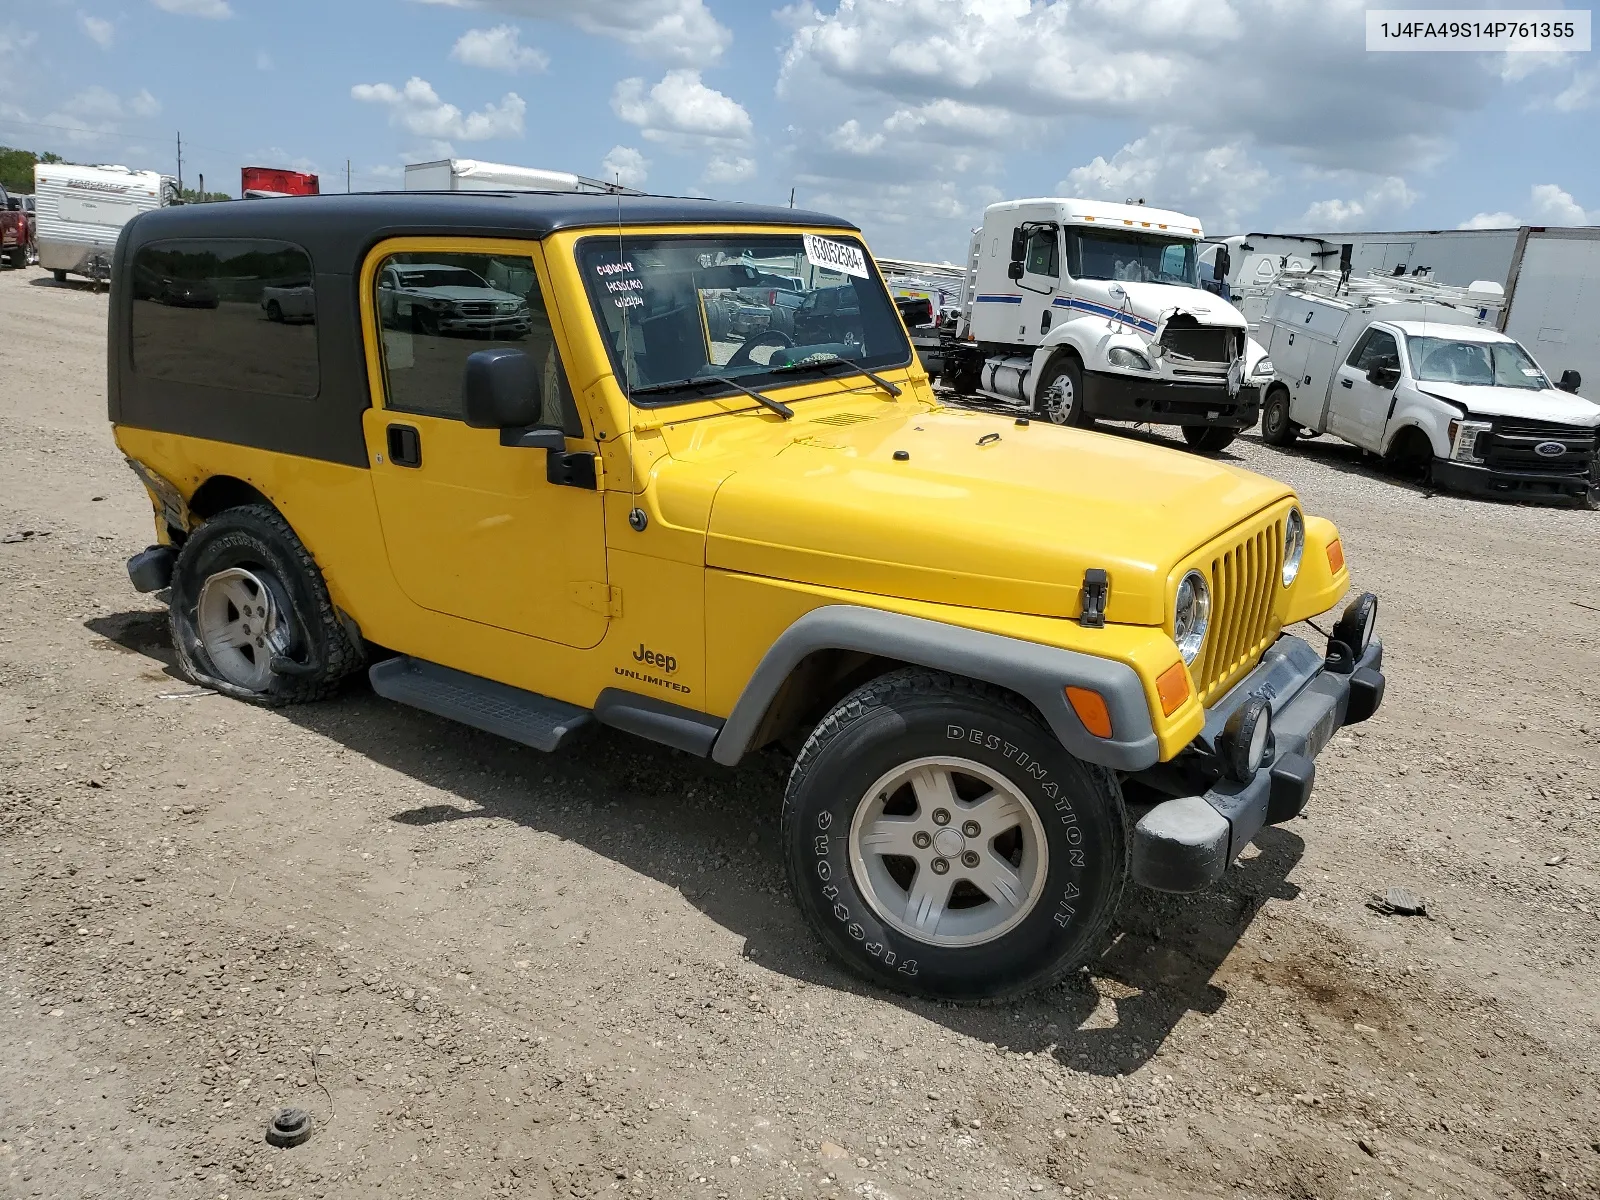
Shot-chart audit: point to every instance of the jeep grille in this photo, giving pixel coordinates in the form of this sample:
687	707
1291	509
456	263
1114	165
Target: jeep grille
1245	572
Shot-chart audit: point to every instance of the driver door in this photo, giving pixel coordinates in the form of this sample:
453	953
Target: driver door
1358	408
1041	279
471	528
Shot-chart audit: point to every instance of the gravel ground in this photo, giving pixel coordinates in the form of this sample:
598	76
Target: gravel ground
487	972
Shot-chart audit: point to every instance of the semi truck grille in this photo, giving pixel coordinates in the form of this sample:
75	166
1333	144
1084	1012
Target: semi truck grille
1514	445
1202	343
1246	576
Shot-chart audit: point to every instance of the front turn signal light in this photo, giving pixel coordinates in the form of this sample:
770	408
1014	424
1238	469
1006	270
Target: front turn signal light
1091	710
1172	688
1335	556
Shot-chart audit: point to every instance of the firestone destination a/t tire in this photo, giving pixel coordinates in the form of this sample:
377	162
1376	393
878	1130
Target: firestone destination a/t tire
919	768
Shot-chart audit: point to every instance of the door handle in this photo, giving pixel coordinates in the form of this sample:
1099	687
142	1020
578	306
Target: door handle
405	446
1347	383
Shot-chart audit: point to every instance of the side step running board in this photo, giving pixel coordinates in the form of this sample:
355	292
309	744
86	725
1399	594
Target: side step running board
497	708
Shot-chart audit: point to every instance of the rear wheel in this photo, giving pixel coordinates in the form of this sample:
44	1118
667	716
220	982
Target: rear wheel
1276	427
1060	394
274	311
60	276
941	842
1208	439
250	614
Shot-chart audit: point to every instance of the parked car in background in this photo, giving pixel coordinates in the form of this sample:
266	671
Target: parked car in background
438	297
14	227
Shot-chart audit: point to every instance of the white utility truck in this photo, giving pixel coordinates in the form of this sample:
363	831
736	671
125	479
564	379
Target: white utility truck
1079	310
81	210
471	175
1418	372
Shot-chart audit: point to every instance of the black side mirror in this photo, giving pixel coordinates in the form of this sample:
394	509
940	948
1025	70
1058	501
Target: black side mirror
1019	242
500	390
1385	371
1014	271
1571	381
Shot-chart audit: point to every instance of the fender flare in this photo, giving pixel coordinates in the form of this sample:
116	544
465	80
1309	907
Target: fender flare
1036	672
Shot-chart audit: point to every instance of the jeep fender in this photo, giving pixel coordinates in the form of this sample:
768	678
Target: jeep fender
1035	672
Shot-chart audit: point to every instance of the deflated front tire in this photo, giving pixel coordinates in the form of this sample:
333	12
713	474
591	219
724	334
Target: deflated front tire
941	842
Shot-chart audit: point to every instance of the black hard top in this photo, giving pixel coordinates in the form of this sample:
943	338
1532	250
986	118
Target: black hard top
338	229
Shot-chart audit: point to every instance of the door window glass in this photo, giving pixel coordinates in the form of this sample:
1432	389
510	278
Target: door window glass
436	309
1042	256
227	313
1374	344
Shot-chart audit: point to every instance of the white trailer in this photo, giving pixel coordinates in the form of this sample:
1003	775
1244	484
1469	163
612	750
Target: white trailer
1080	310
81	211
470	175
1419	373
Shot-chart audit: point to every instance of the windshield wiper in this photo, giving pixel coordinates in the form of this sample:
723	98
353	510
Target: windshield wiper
830	364
678	385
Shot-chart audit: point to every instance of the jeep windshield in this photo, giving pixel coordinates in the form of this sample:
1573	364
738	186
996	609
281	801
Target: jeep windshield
1485	364
1130	257
681	312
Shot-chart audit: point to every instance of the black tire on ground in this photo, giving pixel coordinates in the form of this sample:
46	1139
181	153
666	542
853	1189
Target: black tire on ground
1276	427
274	311
18	257
915	714
257	539
425	322
1208	439
1059	396
1410	455
60	276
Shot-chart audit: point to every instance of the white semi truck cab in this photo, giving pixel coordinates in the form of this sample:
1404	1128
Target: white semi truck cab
1080	310
1417	372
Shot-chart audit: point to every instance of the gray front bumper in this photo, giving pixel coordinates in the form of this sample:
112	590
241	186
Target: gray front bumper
1186	843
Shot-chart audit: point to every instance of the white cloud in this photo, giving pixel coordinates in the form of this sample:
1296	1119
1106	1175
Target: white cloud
94	116
214	9
1553	206
98	30
1167	168
1491	220
264	61
625	165
1580	93
679	31
498	49
728	167
680	105
419	110
1383	199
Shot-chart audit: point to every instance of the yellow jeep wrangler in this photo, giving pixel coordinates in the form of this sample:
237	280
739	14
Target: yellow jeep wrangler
672	466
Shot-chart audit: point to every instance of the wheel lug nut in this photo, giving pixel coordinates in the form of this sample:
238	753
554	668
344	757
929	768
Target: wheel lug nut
971	829
969	858
941	865
941	816
921	840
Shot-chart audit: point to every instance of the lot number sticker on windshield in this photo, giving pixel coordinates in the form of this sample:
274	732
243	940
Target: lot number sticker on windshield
835	256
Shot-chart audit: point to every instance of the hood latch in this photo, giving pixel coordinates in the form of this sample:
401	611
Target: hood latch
1096	590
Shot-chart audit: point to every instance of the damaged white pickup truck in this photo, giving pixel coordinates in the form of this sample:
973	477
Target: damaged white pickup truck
1080	310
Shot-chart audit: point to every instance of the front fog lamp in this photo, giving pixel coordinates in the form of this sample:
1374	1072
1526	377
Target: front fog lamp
1355	625
1294	545
1191	615
1246	739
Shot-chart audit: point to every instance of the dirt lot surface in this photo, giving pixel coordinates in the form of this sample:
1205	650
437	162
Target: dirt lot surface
485	972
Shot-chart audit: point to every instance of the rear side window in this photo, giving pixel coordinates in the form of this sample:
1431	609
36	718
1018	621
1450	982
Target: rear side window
226	312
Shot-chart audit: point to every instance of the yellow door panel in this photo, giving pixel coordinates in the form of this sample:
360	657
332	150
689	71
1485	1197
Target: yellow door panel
472	528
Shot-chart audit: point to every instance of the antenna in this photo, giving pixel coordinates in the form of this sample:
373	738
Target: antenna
791	197
180	164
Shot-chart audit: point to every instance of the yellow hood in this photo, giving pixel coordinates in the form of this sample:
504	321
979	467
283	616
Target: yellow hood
1008	523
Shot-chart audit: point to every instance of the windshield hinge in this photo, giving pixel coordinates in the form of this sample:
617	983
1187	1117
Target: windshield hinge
1096	590
596	597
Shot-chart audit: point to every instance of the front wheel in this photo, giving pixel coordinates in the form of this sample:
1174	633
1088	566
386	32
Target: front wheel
1060	394
941	842
274	311
1208	439
1276	427
18	257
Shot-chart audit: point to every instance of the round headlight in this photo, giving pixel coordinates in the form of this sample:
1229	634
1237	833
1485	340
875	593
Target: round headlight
1191	615
1294	545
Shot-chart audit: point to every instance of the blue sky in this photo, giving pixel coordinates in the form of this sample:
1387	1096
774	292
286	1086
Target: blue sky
907	116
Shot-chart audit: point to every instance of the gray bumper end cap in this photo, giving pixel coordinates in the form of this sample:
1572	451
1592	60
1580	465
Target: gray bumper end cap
1180	845
1293	777
1366	694
150	570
